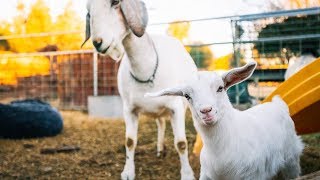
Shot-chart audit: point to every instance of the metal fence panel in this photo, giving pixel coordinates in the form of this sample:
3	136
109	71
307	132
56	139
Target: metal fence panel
67	78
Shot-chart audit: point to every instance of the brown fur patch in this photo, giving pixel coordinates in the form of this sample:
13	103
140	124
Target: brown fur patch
163	153
129	143
181	146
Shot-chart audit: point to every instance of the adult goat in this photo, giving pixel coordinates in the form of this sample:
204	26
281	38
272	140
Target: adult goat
149	63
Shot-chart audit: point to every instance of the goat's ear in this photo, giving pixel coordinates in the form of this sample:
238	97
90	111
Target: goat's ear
136	15
177	91
237	75
88	34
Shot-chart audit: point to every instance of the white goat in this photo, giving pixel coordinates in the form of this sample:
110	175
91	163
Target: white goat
150	63
253	144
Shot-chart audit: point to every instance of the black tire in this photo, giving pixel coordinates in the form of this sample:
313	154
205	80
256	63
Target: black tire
29	119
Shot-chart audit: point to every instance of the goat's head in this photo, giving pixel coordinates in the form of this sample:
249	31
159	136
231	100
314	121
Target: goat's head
207	95
109	21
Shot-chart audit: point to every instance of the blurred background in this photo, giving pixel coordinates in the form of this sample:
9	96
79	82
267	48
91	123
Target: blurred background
40	54
41	58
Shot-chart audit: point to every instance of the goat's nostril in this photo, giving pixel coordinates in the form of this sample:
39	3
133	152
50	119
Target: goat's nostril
206	110
97	43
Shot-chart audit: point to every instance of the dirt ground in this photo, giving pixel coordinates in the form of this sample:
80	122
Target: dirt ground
102	152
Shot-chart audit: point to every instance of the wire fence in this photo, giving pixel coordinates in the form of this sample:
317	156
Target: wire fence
281	34
67	78
273	39
63	78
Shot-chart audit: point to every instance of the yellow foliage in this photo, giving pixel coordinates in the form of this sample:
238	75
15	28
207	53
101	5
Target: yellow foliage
179	30
221	63
294	4
15	67
298	4
201	55
18	27
40	21
37	21
5	28
20	6
69	19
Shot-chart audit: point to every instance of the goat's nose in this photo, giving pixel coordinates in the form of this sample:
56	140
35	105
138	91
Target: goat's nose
206	110
97	43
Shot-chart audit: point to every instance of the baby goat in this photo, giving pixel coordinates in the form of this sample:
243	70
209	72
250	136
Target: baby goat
253	144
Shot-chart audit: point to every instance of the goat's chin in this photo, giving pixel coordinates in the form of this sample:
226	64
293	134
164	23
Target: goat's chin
116	53
209	123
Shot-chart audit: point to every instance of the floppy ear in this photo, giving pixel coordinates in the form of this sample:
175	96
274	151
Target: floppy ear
88	34
177	91
237	75
136	15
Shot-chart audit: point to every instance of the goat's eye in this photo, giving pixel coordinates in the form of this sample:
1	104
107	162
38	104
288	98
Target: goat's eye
220	89
115	2
187	96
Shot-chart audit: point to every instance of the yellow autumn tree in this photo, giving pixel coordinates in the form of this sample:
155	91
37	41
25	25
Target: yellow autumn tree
12	68
302	3
4	30
37	21
179	30
18	27
69	20
221	63
202	55
293	4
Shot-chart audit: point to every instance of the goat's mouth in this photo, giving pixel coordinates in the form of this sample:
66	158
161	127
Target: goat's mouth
114	50
105	50
208	120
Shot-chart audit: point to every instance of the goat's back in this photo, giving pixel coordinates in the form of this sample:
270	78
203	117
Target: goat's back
268	132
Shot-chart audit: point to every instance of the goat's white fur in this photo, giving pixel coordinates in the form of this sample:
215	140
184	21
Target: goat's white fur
253	144
175	67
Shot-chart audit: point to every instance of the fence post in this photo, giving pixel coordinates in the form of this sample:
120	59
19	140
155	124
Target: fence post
95	74
235	56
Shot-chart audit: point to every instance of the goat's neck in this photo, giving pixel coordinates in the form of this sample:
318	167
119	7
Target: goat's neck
142	55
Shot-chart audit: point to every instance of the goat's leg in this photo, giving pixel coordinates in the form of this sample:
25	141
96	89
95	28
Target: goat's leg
131	122
161	123
180	140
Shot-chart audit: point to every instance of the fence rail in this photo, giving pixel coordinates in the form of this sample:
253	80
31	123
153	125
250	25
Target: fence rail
69	77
